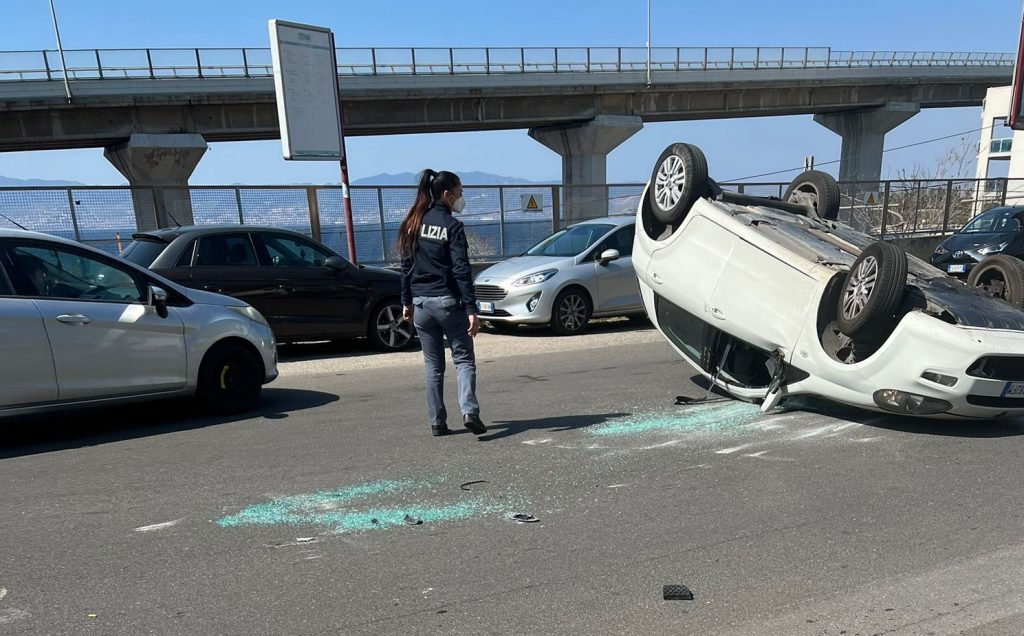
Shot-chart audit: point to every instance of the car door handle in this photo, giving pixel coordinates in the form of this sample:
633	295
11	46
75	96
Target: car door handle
212	288
656	278
285	289
718	313
73	319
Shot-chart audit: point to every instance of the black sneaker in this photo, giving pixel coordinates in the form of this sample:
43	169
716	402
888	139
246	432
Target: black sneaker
474	424
438	431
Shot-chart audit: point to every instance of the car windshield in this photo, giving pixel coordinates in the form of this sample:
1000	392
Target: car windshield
143	252
997	220
570	241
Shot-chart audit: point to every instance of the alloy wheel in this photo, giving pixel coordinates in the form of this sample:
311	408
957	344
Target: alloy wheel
670	182
392	330
862	283
572	312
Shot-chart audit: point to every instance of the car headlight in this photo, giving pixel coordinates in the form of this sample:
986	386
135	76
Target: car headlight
992	249
533	279
940	250
250	313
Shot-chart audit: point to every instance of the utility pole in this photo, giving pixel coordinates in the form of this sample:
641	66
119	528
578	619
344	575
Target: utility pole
63	66
648	42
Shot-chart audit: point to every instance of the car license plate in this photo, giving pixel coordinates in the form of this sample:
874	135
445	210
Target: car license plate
485	307
956	269
1014	390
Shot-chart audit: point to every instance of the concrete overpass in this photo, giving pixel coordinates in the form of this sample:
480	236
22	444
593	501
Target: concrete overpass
155	109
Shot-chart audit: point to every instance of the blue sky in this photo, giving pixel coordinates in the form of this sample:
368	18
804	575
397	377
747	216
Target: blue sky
735	148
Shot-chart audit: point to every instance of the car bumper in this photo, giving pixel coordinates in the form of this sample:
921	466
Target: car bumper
513	308
263	338
919	347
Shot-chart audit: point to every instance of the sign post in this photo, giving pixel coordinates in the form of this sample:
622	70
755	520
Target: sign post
308	103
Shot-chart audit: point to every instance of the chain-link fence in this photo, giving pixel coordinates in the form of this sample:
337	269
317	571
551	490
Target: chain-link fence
501	221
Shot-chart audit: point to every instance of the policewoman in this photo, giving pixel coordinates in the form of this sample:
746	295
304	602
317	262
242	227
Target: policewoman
438	294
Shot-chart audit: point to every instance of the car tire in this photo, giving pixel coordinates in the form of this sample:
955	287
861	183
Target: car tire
385	330
1002	275
873	291
230	379
570	313
818	189
679	178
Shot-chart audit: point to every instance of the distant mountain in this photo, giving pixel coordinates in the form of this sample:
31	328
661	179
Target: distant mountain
11	181
468	178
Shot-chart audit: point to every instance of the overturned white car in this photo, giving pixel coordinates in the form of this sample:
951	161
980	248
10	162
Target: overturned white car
772	298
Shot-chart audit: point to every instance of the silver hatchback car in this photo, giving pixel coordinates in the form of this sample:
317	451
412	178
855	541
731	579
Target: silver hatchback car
580	272
81	327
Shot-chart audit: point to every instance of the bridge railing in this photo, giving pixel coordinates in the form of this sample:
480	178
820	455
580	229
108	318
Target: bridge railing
89	64
501	221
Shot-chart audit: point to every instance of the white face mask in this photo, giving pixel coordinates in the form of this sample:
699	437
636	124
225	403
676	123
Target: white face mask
459	205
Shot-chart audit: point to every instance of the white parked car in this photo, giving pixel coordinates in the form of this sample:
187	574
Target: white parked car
81	327
577	273
774	298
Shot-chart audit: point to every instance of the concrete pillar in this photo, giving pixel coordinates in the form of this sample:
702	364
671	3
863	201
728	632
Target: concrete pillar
863	133
158	167
584	149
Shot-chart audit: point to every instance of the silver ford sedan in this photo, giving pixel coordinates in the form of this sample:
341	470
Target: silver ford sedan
578	273
81	327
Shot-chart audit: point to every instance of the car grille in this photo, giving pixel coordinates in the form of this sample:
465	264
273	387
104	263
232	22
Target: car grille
995	402
490	292
1009	368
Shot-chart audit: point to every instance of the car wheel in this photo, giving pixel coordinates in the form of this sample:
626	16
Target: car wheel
570	312
1000	275
230	379
873	290
386	330
817	189
679	178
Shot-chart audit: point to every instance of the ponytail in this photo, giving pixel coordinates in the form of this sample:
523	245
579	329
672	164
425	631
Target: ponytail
429	189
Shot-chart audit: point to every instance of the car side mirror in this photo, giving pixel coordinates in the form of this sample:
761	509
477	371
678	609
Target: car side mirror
608	256
158	300
336	263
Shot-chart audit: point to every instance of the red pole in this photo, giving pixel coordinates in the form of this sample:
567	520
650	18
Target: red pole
348	205
344	166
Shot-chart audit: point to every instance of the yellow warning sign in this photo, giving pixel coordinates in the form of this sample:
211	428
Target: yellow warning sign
873	198
530	203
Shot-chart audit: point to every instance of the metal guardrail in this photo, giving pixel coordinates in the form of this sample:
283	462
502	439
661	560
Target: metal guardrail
170	63
500	220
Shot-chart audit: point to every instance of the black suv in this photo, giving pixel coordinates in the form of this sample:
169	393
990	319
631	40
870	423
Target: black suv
995	231
303	289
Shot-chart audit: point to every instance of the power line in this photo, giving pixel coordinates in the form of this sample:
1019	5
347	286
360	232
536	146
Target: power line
826	163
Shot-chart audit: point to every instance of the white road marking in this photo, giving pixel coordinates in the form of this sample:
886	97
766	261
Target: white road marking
3	593
726	451
159	526
612	486
534	442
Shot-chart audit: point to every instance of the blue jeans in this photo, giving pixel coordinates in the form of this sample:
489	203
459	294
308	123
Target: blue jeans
434	318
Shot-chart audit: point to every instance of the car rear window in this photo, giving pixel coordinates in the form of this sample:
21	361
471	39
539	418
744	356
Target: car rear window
143	251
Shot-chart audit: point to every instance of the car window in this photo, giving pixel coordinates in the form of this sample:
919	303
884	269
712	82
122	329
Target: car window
6	289
621	241
289	251
51	272
185	260
570	241
226	250
997	220
143	251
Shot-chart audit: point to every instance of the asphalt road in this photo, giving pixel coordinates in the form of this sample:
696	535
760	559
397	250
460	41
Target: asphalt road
153	519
